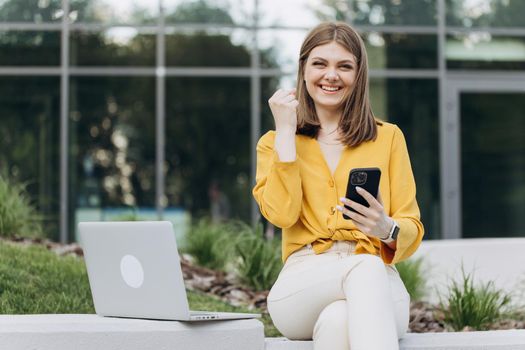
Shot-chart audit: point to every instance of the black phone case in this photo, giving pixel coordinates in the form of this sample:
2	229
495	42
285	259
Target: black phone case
371	186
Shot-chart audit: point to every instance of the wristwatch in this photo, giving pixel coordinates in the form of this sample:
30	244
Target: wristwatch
392	236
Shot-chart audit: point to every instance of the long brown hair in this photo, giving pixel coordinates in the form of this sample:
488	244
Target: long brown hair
357	123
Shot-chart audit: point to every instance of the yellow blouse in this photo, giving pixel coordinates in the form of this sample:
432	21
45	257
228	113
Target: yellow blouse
301	196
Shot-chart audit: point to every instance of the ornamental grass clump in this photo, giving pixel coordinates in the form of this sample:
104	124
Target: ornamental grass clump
412	274
210	244
18	217
259	261
476	307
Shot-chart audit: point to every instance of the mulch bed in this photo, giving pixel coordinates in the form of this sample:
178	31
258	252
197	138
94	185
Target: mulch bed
424	317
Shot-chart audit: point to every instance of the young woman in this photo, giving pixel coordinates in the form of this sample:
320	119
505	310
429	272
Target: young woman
338	285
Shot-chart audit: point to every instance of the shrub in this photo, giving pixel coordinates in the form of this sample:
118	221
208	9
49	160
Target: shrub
475	307
18	217
412	275
259	261
210	244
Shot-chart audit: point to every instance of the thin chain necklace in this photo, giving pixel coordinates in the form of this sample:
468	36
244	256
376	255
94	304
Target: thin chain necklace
330	143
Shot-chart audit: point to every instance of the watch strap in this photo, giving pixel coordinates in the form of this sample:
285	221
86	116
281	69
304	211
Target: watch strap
392	235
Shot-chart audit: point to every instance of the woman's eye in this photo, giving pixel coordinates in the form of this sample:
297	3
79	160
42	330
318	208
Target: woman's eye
347	66
318	64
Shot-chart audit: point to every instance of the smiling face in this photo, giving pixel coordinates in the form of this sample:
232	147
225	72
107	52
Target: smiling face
330	74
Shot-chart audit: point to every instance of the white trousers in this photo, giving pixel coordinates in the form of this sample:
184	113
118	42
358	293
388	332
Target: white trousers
340	300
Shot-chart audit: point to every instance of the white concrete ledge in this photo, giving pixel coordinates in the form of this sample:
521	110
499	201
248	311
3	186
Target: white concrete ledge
92	332
500	260
488	340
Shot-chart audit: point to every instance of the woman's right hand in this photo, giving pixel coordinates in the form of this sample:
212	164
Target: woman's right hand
284	109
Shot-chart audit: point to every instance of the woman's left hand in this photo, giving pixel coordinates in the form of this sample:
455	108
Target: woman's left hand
371	221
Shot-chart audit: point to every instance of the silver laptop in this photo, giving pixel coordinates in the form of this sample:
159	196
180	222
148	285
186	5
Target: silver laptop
134	271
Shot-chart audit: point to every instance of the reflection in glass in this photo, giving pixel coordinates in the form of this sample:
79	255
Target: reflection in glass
280	48
300	13
31	11
29	48
208	146
210	48
412	104
398	12
112	146
480	50
493	164
485	13
231	12
29	134
405	51
107	11
114	47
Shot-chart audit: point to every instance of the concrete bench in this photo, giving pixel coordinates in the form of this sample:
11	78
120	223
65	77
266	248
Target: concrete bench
92	332
489	340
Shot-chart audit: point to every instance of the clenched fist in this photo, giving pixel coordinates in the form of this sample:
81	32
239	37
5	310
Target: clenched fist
283	105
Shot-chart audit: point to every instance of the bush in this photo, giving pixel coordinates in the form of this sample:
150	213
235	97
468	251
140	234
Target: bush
475	307
412	275
259	261
210	244
18	217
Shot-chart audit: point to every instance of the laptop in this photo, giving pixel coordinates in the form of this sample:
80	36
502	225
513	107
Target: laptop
134	271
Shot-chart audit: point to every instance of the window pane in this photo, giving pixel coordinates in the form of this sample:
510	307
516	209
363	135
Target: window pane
300	13
493	164
483	51
30	11
237	12
210	48
280	48
208	146
268	87
28	48
399	12
114	47
122	11
401	51
112	147
29	140
485	13
412	104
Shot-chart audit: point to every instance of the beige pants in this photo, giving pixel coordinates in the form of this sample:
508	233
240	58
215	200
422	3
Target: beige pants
340	300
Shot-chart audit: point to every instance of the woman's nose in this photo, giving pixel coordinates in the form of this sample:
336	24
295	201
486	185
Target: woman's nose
332	75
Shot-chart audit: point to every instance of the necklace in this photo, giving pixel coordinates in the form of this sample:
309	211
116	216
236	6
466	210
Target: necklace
329	143
331	132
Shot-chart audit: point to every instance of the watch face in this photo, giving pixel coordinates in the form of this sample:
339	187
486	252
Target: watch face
395	233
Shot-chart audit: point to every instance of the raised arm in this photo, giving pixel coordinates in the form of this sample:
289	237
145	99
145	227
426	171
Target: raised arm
278	182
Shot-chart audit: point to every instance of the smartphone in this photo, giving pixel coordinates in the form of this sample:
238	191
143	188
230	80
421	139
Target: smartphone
367	178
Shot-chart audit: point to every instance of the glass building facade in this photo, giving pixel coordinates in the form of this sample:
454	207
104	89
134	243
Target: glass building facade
154	107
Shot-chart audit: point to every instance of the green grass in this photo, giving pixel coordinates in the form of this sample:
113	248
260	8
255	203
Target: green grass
412	274
474	306
34	280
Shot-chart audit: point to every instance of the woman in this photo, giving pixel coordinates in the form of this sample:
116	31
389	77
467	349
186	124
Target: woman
338	285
